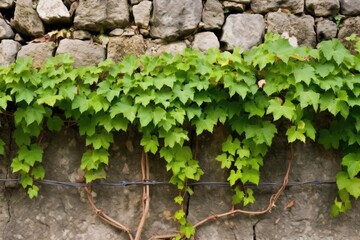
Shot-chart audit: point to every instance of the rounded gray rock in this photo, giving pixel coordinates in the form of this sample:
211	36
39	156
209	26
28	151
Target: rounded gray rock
172	19
84	53
26	20
300	27
53	12
6	3
326	30
39	52
141	13
322	8
350	7
265	6
243	30
5	30
205	40
98	15
213	15
8	50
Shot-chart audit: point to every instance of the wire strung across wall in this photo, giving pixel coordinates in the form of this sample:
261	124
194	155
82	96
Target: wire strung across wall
154	182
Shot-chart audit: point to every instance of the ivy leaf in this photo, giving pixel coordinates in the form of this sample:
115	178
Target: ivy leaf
352	162
129	64
250	175
188	230
33	191
305	73
177	135
2	144
94	174
55	123
179	200
124	107
286	110
119	123
161	81
100	140
145	115
324	69
81	102
225	160
309	98
294	134
184	93
328	140
26	180
3	101
261	134
150	143
234	177
231	146
38	172
17	165
23	94
238	197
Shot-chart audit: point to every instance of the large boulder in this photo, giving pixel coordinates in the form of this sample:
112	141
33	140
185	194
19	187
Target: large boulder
322	8
85	53
39	52
98	15
8	50
300	27
243	30
5	30
53	12
119	47
26	20
350	7
172	19
213	15
350	26
265	6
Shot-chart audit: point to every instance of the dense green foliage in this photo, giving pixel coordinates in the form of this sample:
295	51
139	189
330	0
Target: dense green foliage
168	96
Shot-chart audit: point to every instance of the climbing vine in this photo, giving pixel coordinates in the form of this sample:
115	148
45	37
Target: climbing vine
168	97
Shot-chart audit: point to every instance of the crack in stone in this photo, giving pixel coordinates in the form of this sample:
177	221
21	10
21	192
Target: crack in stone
254	229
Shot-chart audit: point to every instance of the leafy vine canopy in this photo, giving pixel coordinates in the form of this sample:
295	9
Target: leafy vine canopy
167	97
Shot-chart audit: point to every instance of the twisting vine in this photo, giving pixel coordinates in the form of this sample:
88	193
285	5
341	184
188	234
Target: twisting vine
166	95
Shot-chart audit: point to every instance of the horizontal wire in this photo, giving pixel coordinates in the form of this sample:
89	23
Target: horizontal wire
154	182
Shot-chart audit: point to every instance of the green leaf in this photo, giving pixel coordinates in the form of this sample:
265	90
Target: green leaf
91	160
309	98
352	162
94	174
305	73
3	100
145	115
176	135
294	134
234	177
2	144
100	140
263	133
158	115
30	155
188	230
26	180
38	172
231	146
179	200
33	191
150	143
226	161
126	108
286	110
328	139
17	165
55	123
81	102
184	93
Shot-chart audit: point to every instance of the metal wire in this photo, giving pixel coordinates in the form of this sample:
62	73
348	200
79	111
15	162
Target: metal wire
154	182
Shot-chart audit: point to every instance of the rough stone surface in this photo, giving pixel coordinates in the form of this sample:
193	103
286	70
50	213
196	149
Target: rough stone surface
322	8
116	32
53	12
5	30
239	7
264	6
213	15
81	34
119	47
141	13
40	52
8	50
243	30
84	53
326	30
350	7
175	47
350	26
300	27
205	40
6	3
97	15
26	20
172	19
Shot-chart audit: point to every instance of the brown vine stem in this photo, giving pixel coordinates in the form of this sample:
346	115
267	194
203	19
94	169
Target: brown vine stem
146	193
269	207
104	216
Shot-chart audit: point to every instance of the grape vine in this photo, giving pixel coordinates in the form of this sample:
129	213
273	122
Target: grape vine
167	97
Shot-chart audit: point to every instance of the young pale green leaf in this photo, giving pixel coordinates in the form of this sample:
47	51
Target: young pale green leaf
158	114
26	180
38	172
3	100
231	146
238	197
309	98
124	107
234	177
294	134
278	110
100	140
188	230
150	143
94	174
225	160
250	175
33	191
184	93
17	165
145	115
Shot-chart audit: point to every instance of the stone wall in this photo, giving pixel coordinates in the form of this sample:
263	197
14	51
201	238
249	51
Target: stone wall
92	30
